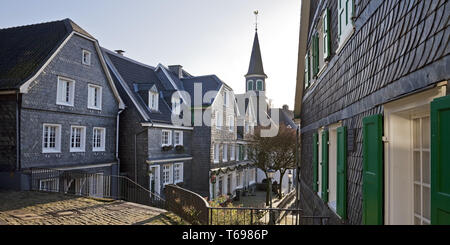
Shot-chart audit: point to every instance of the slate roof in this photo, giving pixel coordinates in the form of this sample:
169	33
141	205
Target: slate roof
25	49
256	64
139	79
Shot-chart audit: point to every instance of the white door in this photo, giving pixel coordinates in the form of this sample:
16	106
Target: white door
154	180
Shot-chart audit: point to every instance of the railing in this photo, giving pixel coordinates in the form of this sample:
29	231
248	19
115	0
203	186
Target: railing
261	216
187	204
196	210
97	185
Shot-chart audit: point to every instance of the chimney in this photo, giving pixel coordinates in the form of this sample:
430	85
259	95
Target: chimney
286	107
119	51
177	69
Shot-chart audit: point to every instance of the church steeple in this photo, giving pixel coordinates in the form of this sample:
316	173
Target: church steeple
256	78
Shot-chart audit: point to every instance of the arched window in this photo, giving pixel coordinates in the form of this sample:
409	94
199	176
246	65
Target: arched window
250	85
259	85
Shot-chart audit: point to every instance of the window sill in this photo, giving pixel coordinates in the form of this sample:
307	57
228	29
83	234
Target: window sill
347	38
95	108
51	151
64	104
77	150
98	150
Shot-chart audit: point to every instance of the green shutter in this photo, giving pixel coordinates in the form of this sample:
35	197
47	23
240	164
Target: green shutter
440	161
341	189
307	74
315	43
325	166
373	170
315	162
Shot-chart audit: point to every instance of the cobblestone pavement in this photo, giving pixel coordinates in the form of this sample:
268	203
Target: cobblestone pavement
37	208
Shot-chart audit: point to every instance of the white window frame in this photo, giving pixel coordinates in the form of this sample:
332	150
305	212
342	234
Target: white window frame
180	177
91	97
176	106
61	91
232	152
169	138
57	148
82	147
216	153
167	168
225	153
332	166
83	61
219	119
180	139
102	146
153	100
345	22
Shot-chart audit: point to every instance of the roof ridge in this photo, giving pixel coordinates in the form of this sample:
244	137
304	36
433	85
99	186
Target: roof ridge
127	58
36	24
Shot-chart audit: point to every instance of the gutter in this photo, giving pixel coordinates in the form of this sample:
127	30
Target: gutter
117	148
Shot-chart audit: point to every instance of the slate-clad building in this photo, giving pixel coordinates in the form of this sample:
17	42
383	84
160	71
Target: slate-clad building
154	152
372	97
59	107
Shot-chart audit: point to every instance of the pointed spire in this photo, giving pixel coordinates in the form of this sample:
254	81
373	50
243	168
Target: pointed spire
256	64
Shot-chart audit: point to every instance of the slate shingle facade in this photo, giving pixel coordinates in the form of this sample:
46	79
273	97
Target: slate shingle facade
398	47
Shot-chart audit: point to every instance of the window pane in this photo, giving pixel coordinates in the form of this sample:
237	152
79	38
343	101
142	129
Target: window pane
426	203
426	174
417	166
426	133
417	199
416	131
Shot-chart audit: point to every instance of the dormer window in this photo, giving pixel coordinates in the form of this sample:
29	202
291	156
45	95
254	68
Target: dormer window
176	106
153	98
86	58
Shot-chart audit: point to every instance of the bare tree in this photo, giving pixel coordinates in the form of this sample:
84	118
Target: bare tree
283	152
259	153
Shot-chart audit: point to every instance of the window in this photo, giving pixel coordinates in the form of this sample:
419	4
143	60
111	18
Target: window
216	153
259	85
178	138
99	136
153	99
250	85
232	152
231	123
238	179
166	138
94	97
345	21
176	106
178	173
225	153
332	166
166	178
422	173
219	119
77	139
65	91
49	185
86	58
237	153
326	34
226	99
307	71
51	142
246	149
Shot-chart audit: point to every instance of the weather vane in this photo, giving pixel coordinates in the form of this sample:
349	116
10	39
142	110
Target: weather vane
256	12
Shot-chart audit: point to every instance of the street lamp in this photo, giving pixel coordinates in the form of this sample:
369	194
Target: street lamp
290	180
270	175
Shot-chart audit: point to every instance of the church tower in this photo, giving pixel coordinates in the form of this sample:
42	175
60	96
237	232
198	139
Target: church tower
255	80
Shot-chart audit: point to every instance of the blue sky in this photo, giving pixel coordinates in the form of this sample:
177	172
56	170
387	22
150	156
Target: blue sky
204	36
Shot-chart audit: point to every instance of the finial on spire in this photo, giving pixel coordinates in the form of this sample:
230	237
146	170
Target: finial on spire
256	12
